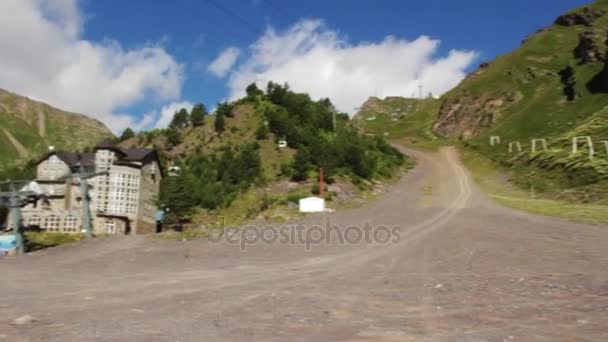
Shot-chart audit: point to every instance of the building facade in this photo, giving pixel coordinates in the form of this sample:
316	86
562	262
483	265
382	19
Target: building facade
122	197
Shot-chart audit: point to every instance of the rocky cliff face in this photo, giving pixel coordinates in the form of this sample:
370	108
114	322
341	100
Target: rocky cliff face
466	115
586	16
588	50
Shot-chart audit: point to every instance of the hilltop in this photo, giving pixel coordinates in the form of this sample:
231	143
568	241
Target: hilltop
28	128
262	152
399	119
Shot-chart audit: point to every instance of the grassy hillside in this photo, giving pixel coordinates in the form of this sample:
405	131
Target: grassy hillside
28	127
554	87
399	119
546	89
241	172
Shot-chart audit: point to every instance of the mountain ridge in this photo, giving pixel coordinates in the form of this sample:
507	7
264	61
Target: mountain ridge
28	127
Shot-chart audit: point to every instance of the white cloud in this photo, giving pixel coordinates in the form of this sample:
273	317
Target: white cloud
224	62
45	57
314	59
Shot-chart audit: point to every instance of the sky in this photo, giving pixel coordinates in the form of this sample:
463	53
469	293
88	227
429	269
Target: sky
134	63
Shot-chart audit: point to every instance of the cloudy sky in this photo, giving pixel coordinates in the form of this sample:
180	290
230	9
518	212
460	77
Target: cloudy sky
134	63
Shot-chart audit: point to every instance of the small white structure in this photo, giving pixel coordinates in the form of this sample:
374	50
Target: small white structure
282	143
312	205
371	118
589	143
542	141
174	171
514	144
33	187
495	139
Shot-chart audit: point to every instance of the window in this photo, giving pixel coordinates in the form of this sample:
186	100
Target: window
34	221
70	224
110	227
123	194
52	223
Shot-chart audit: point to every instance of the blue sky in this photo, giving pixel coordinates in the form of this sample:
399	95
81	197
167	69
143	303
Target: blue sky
188	35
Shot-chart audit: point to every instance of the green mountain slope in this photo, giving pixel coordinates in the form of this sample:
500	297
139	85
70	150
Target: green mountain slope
403	120
242	169
554	87
28	128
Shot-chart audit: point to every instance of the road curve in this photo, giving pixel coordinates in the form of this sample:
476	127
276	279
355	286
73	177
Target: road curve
461	269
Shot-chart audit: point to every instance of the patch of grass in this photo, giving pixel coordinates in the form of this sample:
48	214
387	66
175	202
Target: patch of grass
40	240
494	180
187	234
402	120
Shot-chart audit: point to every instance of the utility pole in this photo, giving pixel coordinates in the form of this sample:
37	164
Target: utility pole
83	176
14	200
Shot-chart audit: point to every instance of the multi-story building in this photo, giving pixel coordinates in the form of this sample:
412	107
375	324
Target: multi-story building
122	199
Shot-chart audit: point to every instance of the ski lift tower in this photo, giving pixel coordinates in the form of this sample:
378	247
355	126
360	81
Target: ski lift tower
82	175
15	200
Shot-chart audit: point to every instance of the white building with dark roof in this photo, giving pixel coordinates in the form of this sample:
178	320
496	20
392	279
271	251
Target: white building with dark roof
122	201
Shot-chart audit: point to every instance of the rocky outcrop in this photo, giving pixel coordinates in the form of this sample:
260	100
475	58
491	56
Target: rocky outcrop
585	16
466	115
569	83
599	82
587	49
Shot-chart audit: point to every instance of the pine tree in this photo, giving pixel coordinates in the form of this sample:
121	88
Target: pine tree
301	164
181	119
127	134
197	115
173	137
177	196
253	91
220	122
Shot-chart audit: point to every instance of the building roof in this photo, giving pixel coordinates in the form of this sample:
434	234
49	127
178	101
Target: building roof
136	154
72	158
124	155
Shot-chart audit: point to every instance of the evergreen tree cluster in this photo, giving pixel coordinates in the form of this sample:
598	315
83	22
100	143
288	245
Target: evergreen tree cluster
211	181
322	137
308	126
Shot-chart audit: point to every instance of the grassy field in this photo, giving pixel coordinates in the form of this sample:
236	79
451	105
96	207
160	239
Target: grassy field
493	179
401	120
40	240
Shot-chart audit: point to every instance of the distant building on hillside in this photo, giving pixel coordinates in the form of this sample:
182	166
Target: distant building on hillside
121	202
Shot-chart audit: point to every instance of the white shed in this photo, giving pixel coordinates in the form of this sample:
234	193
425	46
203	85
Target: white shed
312	205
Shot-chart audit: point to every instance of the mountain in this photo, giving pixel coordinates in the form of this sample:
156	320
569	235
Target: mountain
553	87
547	87
28	128
259	153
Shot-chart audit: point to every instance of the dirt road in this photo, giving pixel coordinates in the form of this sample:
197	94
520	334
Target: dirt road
460	269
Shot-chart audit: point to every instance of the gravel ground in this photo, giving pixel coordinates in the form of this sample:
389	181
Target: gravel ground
459	268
